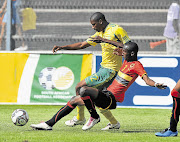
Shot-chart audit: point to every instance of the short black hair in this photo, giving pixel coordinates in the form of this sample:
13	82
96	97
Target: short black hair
97	16
131	46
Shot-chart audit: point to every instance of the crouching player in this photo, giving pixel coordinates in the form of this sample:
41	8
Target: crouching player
106	99
172	130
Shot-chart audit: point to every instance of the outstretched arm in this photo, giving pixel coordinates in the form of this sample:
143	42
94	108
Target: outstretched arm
150	82
119	45
75	46
99	39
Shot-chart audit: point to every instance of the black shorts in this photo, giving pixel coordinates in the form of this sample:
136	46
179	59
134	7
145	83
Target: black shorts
105	100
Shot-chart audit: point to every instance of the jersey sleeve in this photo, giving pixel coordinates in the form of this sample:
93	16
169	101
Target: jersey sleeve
91	42
139	69
122	35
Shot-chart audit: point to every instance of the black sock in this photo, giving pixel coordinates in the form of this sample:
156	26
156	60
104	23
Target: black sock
173	125
175	114
61	113
90	106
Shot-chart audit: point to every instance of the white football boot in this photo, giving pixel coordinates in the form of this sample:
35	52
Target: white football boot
74	122
91	122
41	126
111	126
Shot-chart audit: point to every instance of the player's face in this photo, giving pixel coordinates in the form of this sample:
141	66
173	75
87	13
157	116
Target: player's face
96	26
125	54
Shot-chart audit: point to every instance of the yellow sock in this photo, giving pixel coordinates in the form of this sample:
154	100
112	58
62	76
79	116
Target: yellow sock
80	113
108	115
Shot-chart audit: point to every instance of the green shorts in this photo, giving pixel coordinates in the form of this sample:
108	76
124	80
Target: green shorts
102	79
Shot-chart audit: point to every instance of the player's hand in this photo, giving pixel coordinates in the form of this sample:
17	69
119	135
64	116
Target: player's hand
161	86
97	39
118	51
56	48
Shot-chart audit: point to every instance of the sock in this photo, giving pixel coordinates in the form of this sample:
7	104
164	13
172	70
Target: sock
61	113
80	113
173	125
90	106
174	116
108	115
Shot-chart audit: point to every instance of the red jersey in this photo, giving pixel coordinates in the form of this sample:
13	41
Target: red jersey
127	74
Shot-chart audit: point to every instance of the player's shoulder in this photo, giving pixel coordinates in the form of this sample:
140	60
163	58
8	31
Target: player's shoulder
138	63
115	27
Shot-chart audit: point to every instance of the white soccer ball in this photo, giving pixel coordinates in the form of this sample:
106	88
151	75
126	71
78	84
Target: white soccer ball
45	78
19	117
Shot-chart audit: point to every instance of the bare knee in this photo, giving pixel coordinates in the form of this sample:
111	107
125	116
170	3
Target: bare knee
83	91
76	100
79	85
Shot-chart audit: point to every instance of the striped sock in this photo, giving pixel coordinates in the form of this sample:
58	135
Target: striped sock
90	106
61	113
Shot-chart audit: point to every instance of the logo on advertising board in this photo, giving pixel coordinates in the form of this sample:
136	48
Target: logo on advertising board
55	78
61	78
162	69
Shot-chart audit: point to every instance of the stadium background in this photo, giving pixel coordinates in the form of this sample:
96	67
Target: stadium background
61	22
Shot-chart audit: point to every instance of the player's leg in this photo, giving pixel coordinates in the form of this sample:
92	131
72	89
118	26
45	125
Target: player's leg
102	79
172	131
175	114
76	100
104	100
80	109
176	107
107	76
88	95
79	119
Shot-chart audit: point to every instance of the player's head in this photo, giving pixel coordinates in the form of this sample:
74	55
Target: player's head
98	21
130	51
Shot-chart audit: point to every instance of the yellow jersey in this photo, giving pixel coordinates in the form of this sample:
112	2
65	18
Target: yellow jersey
115	33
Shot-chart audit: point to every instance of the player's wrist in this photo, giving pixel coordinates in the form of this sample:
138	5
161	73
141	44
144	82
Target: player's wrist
155	84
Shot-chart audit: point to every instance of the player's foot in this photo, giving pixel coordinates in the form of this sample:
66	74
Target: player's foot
91	122
41	126
74	122
166	133
111	126
21	48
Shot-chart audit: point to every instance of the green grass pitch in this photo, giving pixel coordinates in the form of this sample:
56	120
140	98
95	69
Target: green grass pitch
137	125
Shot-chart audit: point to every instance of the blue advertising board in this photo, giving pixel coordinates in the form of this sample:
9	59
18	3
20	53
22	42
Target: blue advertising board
162	69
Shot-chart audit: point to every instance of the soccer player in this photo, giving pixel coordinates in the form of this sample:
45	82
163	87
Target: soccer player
105	99
172	130
110	64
